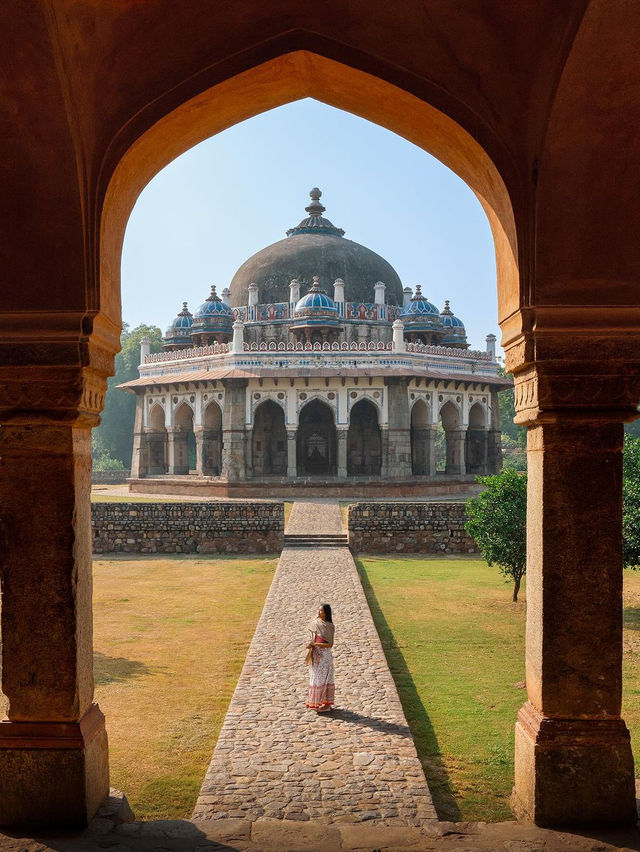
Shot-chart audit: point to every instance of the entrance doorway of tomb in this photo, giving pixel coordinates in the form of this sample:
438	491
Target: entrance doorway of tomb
269	441
182	442
364	445
476	441
157	441
421	440
316	444
212	440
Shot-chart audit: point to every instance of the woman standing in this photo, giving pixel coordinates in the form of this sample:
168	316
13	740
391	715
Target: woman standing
321	678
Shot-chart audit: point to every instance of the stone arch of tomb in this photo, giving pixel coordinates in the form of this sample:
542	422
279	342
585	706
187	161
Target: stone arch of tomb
364	440
316	440
450	416
477	440
182	441
269	440
422	439
209	441
156	441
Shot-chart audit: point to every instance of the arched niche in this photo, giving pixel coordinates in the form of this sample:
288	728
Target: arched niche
476	442
316	440
156	441
211	438
364	445
182	442
451	420
422	439
269	440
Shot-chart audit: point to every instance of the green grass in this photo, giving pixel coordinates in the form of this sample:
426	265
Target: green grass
455	645
170	638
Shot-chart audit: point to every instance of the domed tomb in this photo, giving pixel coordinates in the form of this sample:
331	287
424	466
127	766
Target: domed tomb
315	247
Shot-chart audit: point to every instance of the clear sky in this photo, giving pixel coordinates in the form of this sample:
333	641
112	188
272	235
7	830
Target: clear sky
232	195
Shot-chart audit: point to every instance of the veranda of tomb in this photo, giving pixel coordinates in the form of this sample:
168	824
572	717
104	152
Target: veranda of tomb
563	207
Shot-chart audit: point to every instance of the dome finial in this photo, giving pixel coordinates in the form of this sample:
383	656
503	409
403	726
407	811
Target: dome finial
447	310
214	296
315	208
185	311
418	294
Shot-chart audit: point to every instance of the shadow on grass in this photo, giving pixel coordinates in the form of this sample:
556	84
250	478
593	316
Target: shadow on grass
631	618
423	733
116	669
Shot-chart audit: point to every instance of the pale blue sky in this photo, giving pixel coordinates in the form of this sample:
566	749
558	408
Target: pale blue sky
217	204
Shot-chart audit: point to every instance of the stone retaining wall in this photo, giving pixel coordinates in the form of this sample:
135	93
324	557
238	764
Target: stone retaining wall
409	528
188	527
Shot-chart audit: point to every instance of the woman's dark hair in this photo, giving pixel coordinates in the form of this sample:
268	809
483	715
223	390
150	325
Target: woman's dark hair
327	612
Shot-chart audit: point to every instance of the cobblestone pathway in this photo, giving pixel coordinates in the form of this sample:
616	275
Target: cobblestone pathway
274	758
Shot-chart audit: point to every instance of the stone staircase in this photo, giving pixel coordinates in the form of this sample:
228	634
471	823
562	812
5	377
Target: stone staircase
316	540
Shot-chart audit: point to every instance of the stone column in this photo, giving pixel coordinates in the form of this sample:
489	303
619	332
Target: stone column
573	760
53	744
177	451
140	454
399	431
341	435
198	432
384	449
431	451
233	431
292	462
456	447
248	452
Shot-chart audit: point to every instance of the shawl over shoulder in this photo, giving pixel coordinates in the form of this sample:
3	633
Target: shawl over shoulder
324	629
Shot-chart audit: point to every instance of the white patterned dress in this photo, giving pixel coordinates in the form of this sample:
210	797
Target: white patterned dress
321	678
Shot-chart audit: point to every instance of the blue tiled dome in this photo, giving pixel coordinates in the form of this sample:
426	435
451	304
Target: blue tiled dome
455	332
213	314
420	314
316	303
180	328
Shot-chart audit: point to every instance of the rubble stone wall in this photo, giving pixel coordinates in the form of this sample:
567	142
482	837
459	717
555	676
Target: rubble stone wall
409	528
188	527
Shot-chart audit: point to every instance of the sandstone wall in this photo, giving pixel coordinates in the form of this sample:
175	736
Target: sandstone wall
409	528
188	527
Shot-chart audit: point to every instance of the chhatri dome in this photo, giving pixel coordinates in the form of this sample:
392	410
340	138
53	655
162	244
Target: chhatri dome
315	247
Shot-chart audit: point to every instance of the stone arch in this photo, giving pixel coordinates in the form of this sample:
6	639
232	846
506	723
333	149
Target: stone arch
182	440
316	396
477	440
364	443
156	441
269	440
454	433
210	439
316	441
138	154
281	403
422	439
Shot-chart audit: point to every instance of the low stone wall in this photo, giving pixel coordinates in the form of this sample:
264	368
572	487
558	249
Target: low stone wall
188	527
409	528
109	477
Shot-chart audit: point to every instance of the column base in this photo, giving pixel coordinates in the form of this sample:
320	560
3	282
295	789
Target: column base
53	774
573	772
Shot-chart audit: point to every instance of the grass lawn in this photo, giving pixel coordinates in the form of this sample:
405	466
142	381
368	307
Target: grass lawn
455	645
170	638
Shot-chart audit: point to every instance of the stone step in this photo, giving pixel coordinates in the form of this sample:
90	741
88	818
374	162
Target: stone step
310	540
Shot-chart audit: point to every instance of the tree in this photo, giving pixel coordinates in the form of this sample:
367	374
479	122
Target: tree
497	521
631	502
113	439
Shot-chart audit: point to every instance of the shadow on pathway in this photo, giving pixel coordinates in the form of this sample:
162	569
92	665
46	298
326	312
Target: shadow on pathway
414	710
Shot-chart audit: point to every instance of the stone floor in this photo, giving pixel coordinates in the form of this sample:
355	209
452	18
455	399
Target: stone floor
275	759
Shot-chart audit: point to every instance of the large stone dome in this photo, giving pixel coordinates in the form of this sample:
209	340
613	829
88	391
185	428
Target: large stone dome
315	247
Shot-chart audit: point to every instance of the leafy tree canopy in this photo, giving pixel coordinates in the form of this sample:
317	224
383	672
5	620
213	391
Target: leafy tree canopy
631	502
113	439
497	521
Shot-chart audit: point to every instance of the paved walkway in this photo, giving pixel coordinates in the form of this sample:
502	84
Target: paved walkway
275	759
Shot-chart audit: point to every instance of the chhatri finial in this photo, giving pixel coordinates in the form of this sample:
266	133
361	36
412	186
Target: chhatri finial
315	208
447	312
185	311
214	296
315	285
418	294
